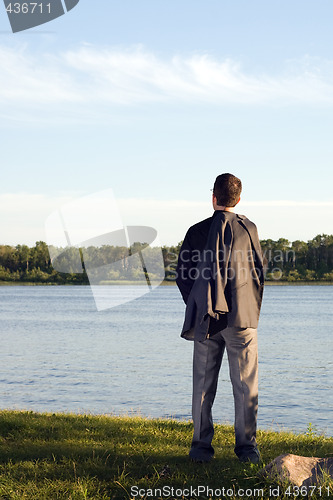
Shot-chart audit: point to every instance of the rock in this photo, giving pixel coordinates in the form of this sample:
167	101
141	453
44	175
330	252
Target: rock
300	471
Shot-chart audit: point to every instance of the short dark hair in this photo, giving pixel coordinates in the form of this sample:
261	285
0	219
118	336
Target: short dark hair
227	189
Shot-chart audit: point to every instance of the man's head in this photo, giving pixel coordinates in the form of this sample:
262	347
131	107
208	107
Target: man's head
227	190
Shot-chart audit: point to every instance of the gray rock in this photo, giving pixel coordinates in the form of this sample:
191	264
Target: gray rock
300	471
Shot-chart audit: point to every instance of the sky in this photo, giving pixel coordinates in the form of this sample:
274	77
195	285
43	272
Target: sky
154	99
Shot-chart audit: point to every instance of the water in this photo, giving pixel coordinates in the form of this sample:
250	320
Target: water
58	353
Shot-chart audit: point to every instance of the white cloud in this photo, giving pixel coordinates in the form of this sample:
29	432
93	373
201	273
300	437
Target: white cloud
287	203
30	79
23	216
97	76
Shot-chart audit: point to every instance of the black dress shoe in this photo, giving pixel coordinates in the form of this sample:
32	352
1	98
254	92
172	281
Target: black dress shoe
252	456
200	455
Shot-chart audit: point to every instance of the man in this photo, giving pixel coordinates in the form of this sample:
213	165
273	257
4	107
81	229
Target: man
220	276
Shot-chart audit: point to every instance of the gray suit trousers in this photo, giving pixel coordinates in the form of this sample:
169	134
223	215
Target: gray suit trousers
242	350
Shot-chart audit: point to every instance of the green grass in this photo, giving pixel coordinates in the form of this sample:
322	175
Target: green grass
67	456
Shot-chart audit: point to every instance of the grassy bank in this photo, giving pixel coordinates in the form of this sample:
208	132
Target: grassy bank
60	456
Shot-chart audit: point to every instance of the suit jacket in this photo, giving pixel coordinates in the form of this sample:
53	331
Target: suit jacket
220	275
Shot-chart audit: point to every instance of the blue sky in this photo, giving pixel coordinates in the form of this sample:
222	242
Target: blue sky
154	99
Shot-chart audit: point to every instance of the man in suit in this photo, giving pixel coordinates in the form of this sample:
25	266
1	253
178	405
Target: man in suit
220	276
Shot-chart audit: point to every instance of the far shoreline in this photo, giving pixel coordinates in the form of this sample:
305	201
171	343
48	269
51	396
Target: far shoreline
164	283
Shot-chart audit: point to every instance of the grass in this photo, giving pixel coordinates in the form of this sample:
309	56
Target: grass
67	456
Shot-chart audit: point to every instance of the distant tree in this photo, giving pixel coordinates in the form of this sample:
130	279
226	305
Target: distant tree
24	254
9	257
41	255
298	260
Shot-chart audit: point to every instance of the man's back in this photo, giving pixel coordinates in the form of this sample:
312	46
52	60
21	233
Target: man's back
220	262
220	277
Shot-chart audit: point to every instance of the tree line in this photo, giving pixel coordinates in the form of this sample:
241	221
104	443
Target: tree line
284	261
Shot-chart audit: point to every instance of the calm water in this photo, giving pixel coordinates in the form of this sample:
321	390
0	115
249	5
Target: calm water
59	354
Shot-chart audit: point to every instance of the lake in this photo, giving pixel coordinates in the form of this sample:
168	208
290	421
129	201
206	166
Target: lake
59	354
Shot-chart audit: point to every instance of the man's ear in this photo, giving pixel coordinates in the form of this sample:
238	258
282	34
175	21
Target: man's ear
238	201
214	201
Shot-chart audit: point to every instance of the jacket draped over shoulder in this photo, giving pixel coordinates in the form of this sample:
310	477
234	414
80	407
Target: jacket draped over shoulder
229	277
